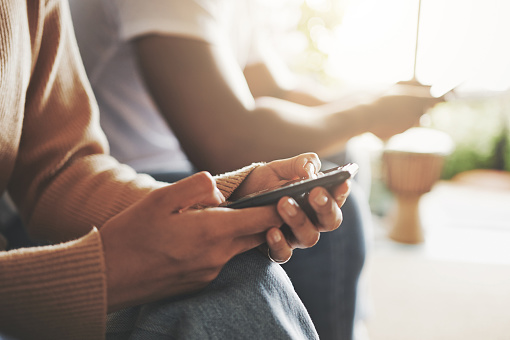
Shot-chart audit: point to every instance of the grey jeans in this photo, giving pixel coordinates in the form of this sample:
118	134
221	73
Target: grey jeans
326	276
252	298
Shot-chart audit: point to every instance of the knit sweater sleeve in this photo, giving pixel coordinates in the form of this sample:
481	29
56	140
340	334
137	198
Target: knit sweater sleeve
54	292
64	181
227	183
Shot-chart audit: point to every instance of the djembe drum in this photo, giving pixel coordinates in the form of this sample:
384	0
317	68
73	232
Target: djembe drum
410	169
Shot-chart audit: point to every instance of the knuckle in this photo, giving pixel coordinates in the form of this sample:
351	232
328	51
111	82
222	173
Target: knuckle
212	268
330	212
333	225
212	235
312	156
339	220
206	180
218	260
311	240
326	210
210	274
158	195
299	220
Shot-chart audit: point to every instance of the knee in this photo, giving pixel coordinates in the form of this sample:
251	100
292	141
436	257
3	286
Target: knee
252	270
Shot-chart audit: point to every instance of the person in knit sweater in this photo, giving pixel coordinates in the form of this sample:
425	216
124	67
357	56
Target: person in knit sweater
192	84
120	239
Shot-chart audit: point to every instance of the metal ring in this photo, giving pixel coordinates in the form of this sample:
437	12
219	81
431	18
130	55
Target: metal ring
273	260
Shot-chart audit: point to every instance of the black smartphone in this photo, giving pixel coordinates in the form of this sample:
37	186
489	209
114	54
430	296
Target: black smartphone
299	190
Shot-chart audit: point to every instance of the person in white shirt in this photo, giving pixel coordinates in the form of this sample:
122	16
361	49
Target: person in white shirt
185	85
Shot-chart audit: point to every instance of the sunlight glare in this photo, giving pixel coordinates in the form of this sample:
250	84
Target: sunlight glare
462	42
374	43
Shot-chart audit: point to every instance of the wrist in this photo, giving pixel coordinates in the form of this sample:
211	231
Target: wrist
113	289
229	183
124	286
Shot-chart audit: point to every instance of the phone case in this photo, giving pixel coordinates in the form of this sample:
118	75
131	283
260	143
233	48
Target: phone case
299	190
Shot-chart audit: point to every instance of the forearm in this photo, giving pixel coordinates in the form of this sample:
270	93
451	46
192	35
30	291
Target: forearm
265	79
228	182
205	99
276	129
303	97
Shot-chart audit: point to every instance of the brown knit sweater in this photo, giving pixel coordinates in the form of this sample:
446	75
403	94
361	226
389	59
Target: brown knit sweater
54	164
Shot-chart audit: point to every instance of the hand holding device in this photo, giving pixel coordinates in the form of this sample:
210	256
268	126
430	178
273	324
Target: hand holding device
299	190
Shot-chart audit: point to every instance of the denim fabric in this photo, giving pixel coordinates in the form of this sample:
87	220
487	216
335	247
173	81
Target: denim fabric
252	298
326	276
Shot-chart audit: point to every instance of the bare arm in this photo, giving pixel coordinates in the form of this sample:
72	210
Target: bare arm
272	79
204	95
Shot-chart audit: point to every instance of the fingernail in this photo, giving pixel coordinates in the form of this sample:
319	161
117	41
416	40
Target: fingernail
310	169
276	237
290	207
321	199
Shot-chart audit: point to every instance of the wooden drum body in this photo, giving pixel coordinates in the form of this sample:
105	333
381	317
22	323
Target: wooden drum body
409	175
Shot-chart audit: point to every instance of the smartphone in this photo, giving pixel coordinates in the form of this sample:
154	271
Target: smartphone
299	190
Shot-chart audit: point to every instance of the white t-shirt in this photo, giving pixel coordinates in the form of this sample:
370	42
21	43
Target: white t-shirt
137	133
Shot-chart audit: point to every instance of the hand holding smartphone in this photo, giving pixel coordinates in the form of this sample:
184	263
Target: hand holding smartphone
299	190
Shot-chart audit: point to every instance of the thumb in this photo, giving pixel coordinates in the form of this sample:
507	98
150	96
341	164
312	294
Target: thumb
305	165
199	188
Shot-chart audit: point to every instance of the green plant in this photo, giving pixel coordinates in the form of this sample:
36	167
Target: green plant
479	129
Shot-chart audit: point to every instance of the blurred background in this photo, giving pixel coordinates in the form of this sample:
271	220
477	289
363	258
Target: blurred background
363	44
454	282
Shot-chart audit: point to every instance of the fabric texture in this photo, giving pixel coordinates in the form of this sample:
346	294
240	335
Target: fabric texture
333	268
252	298
54	292
138	135
55	166
106	30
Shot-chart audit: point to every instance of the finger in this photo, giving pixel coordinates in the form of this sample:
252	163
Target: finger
279	250
249	221
341	192
245	243
199	188
305	234
243	229
328	212
305	165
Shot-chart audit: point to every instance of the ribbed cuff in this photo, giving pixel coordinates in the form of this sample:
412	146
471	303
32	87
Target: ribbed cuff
54	292
228	182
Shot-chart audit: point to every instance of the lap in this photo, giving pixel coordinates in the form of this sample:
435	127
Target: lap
326	275
251	298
